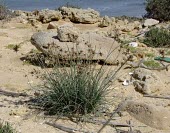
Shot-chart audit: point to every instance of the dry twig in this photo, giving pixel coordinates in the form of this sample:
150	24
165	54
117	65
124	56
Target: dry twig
161	97
12	94
63	128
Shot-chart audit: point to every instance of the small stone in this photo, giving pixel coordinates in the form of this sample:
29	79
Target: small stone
52	25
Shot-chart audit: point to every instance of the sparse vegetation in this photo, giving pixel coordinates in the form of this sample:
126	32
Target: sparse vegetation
75	87
151	64
78	89
68	5
150	55
5	13
157	9
5	127
157	37
14	47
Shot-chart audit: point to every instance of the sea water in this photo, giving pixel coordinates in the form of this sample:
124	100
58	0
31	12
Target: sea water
134	8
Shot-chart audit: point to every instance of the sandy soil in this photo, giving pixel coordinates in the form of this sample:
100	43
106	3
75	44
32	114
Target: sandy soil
18	76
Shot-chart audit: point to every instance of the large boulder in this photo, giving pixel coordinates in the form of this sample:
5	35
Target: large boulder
46	16
86	16
146	81
88	46
154	116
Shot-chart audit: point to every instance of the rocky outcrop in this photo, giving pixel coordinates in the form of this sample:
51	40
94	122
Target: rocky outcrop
154	116
43	16
85	16
150	22
88	46
146	82
46	16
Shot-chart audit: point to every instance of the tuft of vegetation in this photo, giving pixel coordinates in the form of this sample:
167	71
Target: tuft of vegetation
157	37
77	89
130	19
150	55
151	64
6	128
14	47
68	5
158	9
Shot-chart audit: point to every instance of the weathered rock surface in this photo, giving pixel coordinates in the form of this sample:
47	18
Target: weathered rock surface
86	16
67	33
89	46
46	16
150	22
154	116
105	22
146	81
52	25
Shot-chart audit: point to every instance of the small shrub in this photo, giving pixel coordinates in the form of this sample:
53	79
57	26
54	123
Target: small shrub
151	64
158	9
6	128
5	13
157	37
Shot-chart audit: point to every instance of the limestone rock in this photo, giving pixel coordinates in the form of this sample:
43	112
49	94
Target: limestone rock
105	22
52	25
86	16
150	22
88	46
67	33
154	116
146	81
46	16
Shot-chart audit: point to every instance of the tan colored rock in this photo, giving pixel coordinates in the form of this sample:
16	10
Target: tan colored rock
154	116
67	33
88	46
52	25
46	16
105	22
86	16
146	81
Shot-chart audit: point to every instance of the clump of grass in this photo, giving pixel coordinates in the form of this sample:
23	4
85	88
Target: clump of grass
150	55
77	89
14	47
151	64
157	37
6	128
131	49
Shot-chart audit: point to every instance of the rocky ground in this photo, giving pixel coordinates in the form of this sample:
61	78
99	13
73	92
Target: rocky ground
149	115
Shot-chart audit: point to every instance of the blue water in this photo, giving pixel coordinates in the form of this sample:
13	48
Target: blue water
105	7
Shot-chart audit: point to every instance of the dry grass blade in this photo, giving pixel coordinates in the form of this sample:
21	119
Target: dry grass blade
66	129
